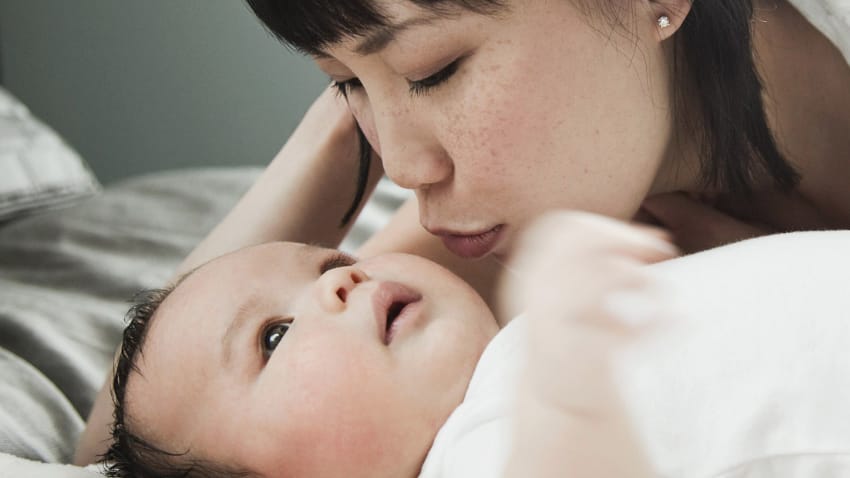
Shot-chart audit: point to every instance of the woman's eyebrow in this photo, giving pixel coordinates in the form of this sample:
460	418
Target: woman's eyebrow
379	38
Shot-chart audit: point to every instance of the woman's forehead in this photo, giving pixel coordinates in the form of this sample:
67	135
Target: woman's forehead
313	26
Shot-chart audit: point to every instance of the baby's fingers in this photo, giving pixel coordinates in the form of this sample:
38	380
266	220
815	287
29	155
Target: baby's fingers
562	251
619	298
572	233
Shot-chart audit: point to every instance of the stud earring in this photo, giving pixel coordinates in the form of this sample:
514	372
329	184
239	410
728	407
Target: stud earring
664	21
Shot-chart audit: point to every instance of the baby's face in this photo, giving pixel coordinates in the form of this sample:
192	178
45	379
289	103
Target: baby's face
278	358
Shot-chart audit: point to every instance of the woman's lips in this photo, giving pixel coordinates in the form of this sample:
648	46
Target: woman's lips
472	246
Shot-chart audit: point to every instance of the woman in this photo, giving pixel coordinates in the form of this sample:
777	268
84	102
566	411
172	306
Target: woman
495	111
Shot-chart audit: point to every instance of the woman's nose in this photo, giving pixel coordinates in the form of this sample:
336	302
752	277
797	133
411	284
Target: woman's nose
416	168
411	154
334	287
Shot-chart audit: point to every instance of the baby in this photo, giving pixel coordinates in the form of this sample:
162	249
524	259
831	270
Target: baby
287	360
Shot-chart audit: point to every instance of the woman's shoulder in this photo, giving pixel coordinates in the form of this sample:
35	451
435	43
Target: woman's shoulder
831	17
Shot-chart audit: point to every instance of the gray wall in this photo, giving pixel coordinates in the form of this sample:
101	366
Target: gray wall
144	85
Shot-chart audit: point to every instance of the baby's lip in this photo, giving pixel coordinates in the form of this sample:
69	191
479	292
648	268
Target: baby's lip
388	302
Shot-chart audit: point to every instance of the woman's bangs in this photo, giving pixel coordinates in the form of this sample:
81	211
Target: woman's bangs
312	25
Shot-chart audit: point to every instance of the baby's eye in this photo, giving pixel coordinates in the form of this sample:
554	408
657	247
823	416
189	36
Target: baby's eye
272	335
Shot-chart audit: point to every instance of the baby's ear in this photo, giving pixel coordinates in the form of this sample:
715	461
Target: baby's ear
668	16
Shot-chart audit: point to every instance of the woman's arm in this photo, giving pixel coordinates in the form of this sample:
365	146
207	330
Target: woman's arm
302	196
304	192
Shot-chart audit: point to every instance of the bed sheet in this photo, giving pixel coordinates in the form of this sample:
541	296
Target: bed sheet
66	279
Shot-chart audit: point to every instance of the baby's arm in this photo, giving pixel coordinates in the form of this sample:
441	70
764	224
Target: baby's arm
580	280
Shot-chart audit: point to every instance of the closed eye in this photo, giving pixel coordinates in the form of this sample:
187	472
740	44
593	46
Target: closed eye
426	85
416	87
344	87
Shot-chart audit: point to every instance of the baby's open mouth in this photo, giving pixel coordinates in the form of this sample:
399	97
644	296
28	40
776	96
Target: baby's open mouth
393	304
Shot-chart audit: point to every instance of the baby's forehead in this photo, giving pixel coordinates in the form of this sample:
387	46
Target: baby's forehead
205	301
181	356
271	253
242	266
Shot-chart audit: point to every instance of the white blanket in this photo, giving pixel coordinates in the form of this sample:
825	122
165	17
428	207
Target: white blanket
751	379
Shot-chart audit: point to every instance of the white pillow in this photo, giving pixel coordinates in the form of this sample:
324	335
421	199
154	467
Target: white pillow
37	168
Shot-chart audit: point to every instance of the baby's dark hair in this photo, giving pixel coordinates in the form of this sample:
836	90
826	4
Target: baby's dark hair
130	455
714	53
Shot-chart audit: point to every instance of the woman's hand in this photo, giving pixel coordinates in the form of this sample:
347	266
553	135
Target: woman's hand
327	131
304	192
581	282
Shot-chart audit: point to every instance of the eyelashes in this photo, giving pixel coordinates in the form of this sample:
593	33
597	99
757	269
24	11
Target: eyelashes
426	85
335	260
344	87
416	88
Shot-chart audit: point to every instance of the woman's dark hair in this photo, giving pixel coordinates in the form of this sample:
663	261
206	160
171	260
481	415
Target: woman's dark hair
713	52
310	26
129	455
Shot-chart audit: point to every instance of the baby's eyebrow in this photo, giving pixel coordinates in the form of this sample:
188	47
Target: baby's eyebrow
246	310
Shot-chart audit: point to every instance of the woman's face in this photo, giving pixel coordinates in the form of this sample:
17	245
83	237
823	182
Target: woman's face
494	119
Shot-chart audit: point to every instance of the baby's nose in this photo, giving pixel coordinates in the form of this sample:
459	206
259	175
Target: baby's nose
335	285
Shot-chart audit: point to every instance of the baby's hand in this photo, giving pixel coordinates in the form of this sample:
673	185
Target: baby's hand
580	280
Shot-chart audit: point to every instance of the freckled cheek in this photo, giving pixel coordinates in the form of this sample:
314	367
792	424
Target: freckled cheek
491	134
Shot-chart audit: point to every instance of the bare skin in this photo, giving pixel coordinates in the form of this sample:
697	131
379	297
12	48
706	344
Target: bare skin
570	416
808	95
314	169
339	393
808	89
807	92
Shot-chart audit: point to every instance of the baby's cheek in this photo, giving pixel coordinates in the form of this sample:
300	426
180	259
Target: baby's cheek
341	407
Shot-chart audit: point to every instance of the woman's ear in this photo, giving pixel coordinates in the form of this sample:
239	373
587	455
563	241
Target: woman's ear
669	15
